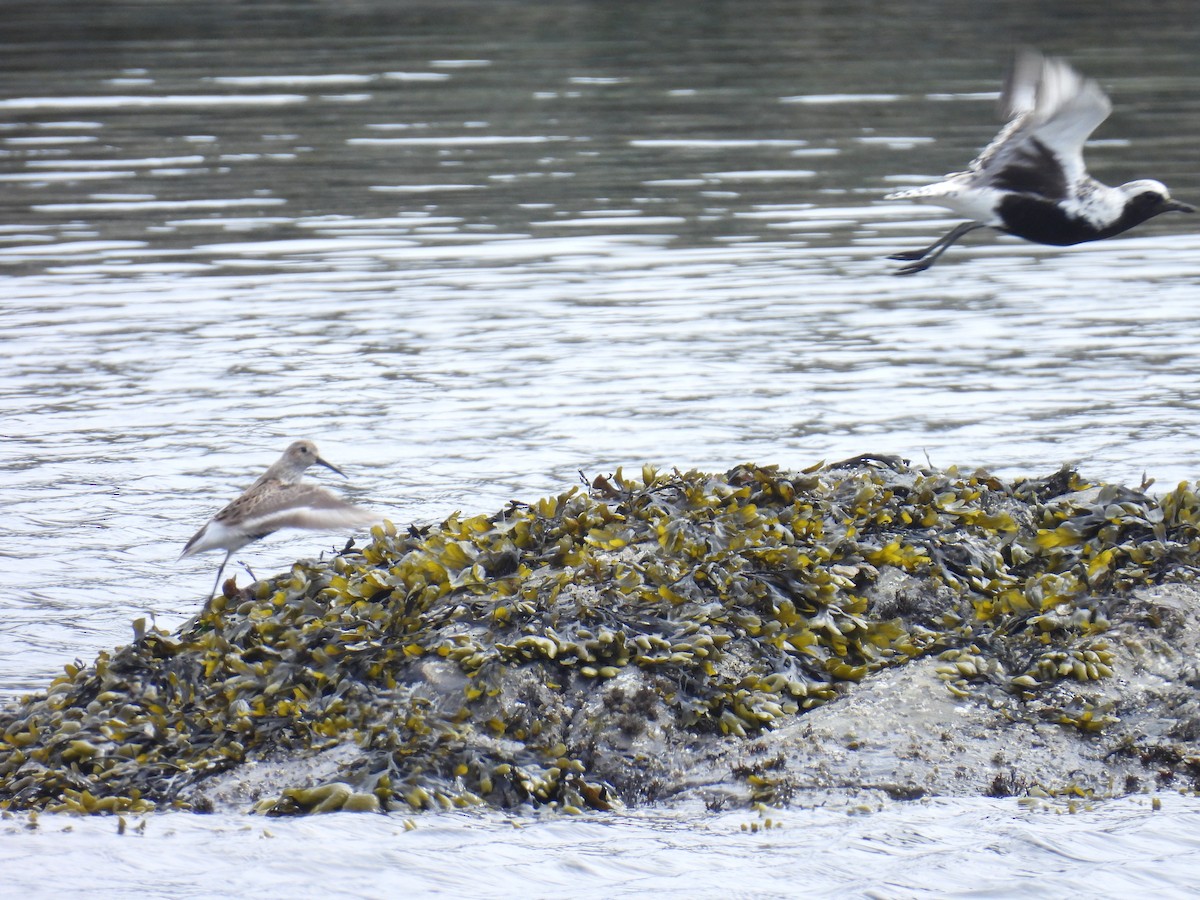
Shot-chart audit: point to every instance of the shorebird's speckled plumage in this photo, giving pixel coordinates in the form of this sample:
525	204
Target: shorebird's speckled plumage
277	500
1031	180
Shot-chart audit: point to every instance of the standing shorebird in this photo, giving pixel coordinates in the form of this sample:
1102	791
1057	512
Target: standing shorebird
1031	180
277	500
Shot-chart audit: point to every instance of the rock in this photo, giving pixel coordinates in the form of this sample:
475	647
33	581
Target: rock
858	631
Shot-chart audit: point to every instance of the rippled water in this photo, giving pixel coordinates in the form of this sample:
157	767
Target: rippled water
950	848
473	249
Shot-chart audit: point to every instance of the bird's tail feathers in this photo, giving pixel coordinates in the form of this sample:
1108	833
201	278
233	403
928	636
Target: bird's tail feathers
931	193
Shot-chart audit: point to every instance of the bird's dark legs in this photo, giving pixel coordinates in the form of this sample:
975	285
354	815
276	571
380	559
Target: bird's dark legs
923	259
217	584
912	255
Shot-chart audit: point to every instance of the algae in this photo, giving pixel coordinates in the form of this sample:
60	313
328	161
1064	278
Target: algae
753	636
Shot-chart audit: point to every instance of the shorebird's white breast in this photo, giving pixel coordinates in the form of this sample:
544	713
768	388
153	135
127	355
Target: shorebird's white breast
218	535
1095	203
976	203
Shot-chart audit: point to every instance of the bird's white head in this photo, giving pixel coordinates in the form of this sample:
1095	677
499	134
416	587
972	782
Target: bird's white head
1153	196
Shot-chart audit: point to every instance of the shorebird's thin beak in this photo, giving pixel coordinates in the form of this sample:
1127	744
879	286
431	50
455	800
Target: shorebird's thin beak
1176	206
321	462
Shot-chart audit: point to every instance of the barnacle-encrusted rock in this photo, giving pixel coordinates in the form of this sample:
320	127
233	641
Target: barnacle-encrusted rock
758	635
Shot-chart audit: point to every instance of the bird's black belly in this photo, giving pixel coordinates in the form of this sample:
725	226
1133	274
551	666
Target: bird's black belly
1044	222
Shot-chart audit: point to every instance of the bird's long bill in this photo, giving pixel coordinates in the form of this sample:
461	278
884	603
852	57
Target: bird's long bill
321	462
1176	206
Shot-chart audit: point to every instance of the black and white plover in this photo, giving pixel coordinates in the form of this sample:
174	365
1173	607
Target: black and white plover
277	500
1031	180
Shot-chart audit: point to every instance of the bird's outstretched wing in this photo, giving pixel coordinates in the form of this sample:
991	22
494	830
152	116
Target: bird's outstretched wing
1052	109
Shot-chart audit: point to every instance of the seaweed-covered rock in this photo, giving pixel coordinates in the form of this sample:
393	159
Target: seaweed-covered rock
759	635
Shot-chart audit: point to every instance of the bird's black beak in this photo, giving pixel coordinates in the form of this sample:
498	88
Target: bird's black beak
330	466
1176	206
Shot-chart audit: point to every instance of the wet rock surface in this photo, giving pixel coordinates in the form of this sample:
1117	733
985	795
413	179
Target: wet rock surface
863	629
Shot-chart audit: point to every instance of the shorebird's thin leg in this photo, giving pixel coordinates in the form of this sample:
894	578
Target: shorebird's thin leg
923	259
221	569
913	255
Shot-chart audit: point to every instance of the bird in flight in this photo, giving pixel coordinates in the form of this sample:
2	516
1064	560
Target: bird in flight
1031	181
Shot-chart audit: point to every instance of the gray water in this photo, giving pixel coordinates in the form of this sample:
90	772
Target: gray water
474	248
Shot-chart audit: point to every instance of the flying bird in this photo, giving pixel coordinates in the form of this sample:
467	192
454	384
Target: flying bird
1031	181
277	500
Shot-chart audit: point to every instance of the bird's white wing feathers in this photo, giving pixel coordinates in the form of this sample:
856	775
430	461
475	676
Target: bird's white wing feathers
1050	102
347	516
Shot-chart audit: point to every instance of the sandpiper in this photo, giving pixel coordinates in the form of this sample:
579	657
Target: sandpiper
277	500
1031	181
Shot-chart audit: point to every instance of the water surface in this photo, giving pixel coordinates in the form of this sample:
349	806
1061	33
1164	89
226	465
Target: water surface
945	848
